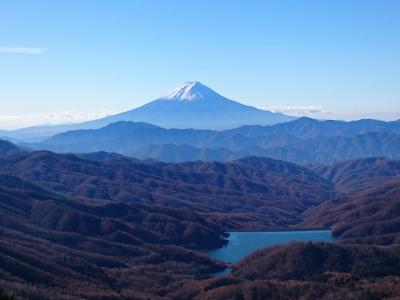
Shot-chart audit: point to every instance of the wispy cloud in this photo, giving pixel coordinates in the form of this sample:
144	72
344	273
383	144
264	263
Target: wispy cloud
319	112
300	110
22	50
18	121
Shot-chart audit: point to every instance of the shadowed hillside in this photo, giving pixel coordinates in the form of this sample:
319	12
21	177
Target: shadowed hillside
8	148
366	209
359	174
310	261
370	216
66	247
307	271
251	192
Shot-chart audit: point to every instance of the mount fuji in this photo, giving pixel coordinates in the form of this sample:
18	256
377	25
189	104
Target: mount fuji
190	105
194	105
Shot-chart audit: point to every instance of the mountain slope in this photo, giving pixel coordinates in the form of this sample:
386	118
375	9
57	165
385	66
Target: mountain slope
181	153
127	138
368	207
370	216
52	246
306	271
310	128
329	150
359	174
250	192
193	105
8	148
307	261
123	137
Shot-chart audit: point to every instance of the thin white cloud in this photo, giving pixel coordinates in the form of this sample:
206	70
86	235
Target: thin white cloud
18	121
300	110
22	50
319	112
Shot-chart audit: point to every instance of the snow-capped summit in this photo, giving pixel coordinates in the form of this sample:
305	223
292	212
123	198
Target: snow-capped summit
190	105
190	91
194	105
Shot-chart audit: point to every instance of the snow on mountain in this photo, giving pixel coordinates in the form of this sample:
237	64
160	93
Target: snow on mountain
194	105
190	105
191	91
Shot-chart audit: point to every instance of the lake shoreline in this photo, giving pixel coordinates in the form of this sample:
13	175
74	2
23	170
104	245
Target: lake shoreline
243	243
280	229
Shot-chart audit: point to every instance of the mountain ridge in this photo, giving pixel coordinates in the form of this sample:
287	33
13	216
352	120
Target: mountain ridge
256	192
302	141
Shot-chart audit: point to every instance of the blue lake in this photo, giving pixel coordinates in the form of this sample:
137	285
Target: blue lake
242	244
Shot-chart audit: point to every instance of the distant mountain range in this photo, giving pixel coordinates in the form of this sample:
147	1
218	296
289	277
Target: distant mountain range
191	105
303	141
8	148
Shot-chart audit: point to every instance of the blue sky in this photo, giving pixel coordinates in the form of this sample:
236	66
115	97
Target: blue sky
70	60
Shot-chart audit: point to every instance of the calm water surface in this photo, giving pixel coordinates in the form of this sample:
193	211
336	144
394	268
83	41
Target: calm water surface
243	243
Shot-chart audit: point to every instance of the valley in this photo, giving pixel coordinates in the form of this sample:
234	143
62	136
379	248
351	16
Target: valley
105	220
